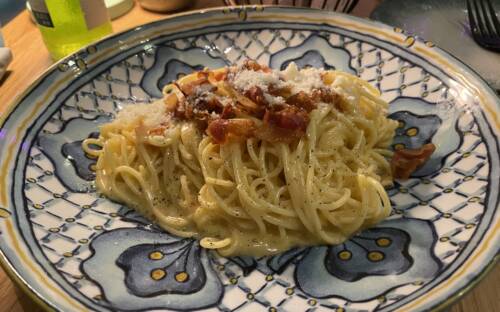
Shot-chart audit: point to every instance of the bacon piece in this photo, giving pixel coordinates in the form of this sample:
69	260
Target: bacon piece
230	130
228	112
286	125
221	75
326	95
406	161
302	100
159	130
208	105
188	88
279	91
253	65
256	95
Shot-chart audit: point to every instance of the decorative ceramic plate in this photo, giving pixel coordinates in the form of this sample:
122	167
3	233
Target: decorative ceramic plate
75	250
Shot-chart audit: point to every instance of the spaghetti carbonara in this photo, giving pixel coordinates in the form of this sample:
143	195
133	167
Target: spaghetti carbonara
253	161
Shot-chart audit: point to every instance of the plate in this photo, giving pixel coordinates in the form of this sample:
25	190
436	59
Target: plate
75	250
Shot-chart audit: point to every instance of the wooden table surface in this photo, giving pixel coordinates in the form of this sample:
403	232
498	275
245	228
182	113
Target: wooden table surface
31	59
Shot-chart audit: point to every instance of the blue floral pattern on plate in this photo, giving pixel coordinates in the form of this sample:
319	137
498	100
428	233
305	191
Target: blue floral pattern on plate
106	257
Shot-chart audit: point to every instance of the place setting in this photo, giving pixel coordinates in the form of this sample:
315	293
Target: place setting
249	155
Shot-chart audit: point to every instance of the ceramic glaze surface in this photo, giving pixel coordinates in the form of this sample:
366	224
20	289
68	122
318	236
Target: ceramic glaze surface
79	250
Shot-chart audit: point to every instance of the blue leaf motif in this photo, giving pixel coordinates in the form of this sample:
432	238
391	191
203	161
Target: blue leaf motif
414	130
401	252
247	264
63	148
171	63
423	122
379	251
172	268
315	51
279	262
140	269
83	163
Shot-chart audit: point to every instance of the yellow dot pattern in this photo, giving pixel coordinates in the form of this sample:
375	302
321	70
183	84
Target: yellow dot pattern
158	274
289	291
383	242
409	41
375	256
444	239
312	302
469	226
90	156
474	199
68	254
156	255
411	132
269	278
399	146
250	296
345	255
182	277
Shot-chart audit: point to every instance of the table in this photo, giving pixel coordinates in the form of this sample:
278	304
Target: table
31	59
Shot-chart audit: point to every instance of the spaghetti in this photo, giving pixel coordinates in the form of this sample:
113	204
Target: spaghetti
253	161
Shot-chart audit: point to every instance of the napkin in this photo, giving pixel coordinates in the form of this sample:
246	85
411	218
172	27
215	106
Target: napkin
5	59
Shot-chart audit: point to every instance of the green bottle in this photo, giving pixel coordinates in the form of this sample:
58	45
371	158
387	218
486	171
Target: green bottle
68	25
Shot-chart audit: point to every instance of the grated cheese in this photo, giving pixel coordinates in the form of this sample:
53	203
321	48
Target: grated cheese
151	114
303	80
246	79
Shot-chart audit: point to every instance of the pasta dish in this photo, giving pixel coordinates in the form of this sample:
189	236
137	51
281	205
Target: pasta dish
253	161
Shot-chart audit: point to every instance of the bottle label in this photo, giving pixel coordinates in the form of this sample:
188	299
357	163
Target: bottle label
94	12
41	13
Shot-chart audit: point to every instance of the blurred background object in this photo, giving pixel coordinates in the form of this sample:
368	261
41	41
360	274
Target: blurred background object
165	5
117	8
9	9
5	57
345	6
69	25
361	8
445	23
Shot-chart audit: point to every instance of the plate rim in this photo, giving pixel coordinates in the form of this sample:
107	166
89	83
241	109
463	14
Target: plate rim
442	301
